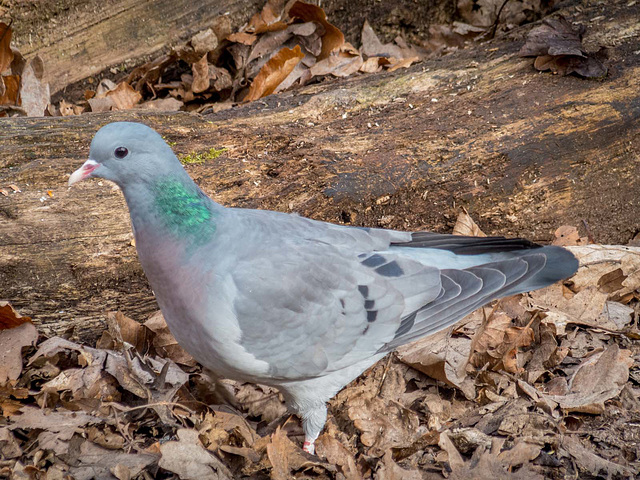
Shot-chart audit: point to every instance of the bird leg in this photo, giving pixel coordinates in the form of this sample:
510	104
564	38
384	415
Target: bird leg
309	445
313	420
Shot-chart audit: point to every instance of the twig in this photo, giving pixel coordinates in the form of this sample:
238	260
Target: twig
384	375
122	408
497	20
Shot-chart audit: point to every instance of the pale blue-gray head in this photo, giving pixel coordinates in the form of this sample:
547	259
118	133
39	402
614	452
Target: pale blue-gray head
158	190
126	153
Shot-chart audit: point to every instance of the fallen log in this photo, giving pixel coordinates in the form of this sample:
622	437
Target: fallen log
524	152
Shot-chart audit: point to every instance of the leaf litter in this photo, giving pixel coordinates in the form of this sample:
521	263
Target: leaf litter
538	385
284	45
557	46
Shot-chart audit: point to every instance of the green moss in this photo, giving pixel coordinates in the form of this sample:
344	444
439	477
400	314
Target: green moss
201	157
171	144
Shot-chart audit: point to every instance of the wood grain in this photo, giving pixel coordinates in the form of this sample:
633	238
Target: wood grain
85	43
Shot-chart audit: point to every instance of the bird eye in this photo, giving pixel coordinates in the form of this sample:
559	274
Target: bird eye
120	152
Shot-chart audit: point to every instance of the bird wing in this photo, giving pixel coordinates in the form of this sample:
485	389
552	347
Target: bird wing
313	297
307	308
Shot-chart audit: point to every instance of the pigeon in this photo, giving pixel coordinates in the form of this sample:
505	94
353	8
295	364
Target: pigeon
301	305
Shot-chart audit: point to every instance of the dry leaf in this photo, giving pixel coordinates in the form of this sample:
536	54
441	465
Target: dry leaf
91	461
269	43
165	343
82	383
589	462
150	72
274	72
126	330
558	47
583	308
395	64
337	454
34	91
390	470
57	427
9	447
441	357
556	36
6	55
200	71
450	37
286	457
497	343
599	378
482	13
373	47
278	452
124	96
110	96
104	87
614	269
9	318
454	458
545	355
373	64
214	424
268	19
567	235
615	316
168	104
521	453
332	39
11	95
466	226
204	41
382	424
261	401
106	438
298	74
220	77
188	459
98	104
341	64
243	37
65	108
487	465
11	342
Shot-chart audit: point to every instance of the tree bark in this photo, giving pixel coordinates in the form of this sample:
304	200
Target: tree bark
98	34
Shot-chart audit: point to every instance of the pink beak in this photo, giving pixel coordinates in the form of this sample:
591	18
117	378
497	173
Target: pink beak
83	172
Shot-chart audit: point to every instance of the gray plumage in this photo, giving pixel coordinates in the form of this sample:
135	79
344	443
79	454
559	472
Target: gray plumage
298	304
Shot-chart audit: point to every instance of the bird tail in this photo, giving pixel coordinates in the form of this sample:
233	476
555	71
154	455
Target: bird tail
560	264
475	271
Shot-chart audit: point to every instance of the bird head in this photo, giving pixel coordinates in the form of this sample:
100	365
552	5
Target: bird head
126	153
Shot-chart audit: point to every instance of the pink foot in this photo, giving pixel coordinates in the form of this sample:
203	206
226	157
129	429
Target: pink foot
309	447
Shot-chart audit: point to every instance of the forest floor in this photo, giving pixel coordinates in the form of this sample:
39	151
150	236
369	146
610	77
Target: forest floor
541	385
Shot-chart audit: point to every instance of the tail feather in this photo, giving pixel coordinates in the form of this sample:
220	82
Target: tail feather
470	280
561	264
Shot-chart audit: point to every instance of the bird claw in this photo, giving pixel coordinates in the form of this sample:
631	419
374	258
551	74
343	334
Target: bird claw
309	447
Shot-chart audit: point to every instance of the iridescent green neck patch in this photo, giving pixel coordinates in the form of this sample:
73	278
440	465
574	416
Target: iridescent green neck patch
183	209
